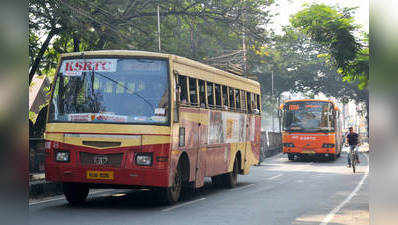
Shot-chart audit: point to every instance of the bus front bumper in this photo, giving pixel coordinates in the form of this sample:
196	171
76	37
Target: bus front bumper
110	176
312	151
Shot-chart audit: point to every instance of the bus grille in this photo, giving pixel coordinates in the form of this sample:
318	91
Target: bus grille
111	160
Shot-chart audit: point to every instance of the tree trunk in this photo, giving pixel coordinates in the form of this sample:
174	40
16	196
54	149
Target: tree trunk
279	118
76	44
36	63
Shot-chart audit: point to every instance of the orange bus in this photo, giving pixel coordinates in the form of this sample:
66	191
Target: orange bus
134	119
311	128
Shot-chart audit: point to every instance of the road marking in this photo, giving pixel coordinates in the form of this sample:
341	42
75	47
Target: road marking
274	177
182	205
63	198
331	215
241	188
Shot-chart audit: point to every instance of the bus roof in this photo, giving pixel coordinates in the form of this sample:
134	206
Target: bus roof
178	59
306	100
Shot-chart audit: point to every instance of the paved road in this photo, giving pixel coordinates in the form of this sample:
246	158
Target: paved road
276	192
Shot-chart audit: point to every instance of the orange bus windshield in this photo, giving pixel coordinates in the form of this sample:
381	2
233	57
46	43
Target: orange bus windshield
311	116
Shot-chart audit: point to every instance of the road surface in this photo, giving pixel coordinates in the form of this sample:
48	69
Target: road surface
276	192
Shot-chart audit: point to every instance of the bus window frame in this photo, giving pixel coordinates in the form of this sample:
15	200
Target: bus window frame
225	107
243	100
232	106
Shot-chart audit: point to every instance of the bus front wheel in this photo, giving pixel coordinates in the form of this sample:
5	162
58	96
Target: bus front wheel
290	156
172	194
75	193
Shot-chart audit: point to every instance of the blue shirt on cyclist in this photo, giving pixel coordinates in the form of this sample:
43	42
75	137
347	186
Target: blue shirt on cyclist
353	141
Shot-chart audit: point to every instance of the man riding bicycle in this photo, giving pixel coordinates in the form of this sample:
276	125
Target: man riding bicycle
353	142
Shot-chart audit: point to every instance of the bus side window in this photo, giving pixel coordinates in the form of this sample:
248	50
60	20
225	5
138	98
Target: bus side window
249	102
231	99
202	94
244	102
225	97
193	94
218	95
254	102
258	103
237	99
182	82
210	94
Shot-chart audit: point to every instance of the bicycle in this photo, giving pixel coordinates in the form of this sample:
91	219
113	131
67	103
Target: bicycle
353	158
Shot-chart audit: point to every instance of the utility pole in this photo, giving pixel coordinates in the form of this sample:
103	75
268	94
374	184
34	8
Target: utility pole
272	99
244	43
159	44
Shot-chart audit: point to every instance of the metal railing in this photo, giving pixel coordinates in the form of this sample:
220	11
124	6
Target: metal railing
36	155
271	144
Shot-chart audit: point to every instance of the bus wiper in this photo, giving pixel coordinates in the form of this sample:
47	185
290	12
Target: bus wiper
123	86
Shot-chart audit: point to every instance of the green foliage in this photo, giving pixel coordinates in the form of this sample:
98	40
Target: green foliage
195	29
300	65
334	29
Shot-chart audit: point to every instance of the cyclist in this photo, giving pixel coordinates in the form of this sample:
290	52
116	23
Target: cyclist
353	142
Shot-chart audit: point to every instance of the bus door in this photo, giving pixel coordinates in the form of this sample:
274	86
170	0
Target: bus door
200	150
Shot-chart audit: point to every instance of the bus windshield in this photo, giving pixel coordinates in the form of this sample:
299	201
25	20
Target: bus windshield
111	90
311	116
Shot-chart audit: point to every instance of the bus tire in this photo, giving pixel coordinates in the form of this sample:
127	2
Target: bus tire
332	157
172	194
75	193
217	181
231	179
290	156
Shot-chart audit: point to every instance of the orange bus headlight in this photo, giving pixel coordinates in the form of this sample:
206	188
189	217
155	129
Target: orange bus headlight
290	145
143	159
328	145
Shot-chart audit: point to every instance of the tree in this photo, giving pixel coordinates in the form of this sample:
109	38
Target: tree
298	67
196	29
335	29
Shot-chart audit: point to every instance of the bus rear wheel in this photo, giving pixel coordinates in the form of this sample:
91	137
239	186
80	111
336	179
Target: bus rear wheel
231	179
75	193
218	181
332	157
227	180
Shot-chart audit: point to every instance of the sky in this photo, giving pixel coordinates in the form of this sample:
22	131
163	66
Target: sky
287	8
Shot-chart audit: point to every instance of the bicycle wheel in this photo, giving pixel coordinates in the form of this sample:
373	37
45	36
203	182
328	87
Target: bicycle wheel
353	162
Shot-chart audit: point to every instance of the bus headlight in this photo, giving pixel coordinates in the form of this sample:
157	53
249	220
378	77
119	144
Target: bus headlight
290	145
62	156
328	145
143	159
